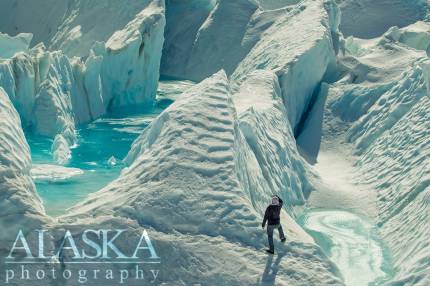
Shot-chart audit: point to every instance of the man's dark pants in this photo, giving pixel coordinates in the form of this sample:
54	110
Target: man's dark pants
270	229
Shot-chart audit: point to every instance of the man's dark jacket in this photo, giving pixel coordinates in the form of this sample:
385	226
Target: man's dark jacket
272	214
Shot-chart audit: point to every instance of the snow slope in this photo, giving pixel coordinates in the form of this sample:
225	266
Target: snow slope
187	178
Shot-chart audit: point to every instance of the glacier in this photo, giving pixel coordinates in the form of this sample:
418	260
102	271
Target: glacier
183	118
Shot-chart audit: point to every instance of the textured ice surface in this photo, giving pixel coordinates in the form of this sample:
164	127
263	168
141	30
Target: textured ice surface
220	41
235	30
180	34
53	112
41	86
276	4
130	65
271	163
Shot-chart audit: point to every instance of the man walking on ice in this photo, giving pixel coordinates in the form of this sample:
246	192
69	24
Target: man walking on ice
272	216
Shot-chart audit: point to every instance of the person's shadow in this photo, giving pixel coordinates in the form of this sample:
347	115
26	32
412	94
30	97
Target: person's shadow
271	269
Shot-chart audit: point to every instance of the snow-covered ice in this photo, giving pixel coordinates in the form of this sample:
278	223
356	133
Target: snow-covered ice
324	103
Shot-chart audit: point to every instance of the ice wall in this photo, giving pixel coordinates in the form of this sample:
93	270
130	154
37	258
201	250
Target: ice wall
276	4
130	65
271	163
180	34
219	41
52	111
240	37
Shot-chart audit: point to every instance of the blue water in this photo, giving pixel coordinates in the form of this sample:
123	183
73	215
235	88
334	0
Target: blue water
101	146
352	243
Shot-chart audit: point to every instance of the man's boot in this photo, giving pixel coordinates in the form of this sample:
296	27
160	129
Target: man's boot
270	251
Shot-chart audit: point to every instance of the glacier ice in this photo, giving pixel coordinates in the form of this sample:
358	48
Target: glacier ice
131	60
219	40
274	165
54	93
276	4
53	114
223	52
180	35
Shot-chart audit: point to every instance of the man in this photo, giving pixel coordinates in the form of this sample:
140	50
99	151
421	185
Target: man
272	216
